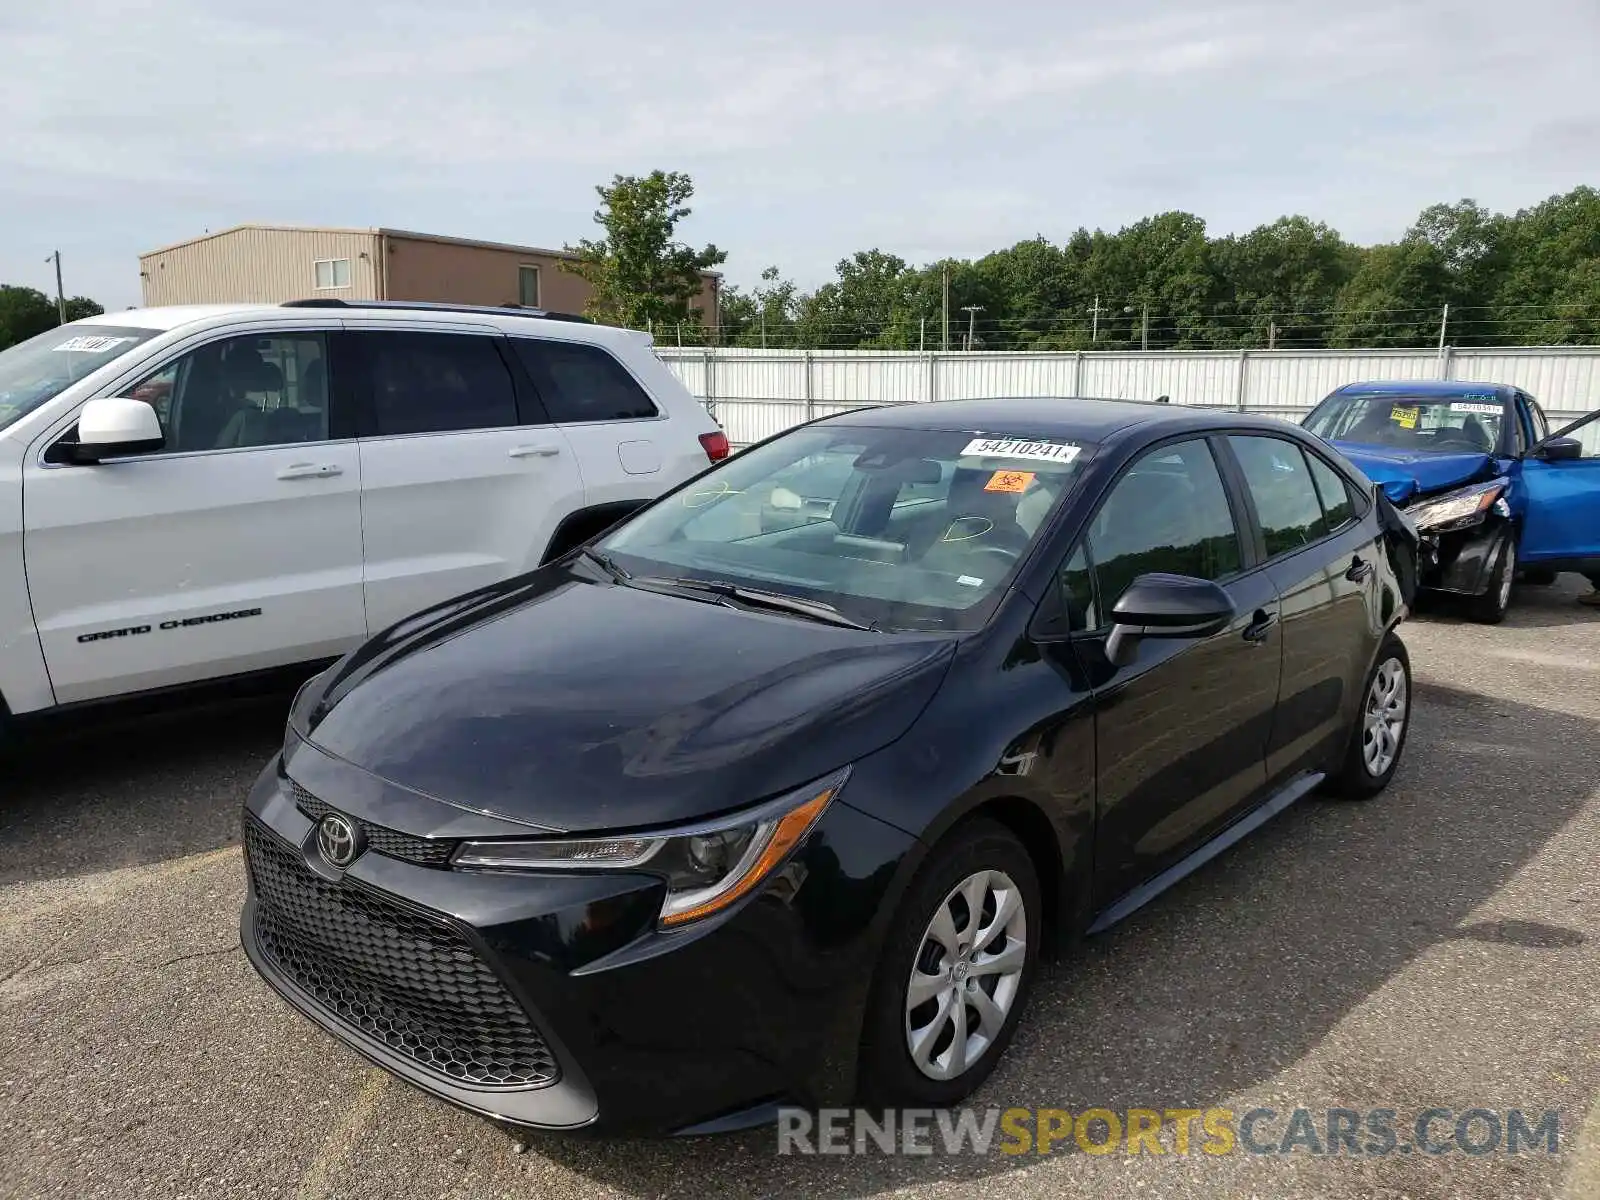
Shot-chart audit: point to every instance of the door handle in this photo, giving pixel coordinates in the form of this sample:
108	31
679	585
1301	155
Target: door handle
310	471
534	451
1360	570
1260	625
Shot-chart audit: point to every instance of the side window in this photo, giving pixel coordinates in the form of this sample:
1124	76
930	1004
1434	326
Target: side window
242	392
578	382
1280	483
1168	513
438	383
1333	489
1539	427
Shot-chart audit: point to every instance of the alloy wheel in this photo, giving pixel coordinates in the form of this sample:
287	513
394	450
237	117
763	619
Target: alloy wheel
967	974
1385	718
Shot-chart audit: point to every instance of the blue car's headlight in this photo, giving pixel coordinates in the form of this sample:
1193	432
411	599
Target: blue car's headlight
1459	509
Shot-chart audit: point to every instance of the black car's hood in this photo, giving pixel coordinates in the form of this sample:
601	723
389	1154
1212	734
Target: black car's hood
576	705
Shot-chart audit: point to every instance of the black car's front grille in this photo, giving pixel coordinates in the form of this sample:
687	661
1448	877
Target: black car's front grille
410	981
429	852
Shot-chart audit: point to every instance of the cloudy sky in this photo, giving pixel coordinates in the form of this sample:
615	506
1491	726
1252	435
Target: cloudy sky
811	130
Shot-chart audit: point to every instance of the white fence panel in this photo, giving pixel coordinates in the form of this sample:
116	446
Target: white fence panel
1198	377
756	393
973	376
1289	384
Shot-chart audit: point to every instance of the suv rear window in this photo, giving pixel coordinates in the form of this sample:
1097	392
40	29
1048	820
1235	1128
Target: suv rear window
438	382
578	382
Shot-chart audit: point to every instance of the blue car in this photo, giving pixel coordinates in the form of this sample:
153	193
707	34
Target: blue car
1494	494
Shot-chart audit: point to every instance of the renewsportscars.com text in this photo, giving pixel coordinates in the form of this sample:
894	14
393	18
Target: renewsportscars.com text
1373	1132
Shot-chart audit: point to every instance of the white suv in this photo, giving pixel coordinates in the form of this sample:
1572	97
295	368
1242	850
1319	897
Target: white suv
188	494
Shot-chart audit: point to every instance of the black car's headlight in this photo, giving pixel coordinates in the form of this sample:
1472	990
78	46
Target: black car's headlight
1458	509
707	867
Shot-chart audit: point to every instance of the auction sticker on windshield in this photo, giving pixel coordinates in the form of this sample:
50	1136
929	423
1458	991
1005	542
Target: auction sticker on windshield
1057	452
90	345
1406	418
1467	406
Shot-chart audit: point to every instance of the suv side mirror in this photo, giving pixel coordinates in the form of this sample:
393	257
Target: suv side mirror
114	426
1559	449
1166	606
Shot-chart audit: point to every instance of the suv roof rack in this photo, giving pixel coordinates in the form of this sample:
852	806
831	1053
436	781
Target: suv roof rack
505	310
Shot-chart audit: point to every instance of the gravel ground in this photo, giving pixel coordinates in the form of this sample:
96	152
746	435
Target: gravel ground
1437	948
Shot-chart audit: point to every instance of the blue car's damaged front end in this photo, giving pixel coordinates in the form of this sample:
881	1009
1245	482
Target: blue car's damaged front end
1471	465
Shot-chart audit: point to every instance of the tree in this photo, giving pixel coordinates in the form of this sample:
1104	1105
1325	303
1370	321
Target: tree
641	277
26	312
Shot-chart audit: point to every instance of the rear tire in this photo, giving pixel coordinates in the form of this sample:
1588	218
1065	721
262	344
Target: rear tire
1491	607
971	971
1379	738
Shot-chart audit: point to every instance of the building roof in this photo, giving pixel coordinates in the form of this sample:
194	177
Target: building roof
408	234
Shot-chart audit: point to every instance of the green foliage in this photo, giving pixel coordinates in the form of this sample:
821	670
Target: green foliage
1529	278
641	277
26	312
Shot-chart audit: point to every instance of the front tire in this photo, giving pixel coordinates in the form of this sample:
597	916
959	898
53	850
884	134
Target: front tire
955	972
1491	607
1379	737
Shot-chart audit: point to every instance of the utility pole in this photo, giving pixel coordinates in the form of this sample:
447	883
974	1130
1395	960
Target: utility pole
1444	321
763	328
1272	335
922	334
1144	337
61	296
972	311
1094	327
944	308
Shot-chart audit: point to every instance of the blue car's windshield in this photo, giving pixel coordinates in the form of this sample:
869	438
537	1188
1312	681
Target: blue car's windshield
42	367
899	528
1458	424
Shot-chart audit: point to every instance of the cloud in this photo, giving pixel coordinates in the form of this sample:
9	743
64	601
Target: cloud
927	128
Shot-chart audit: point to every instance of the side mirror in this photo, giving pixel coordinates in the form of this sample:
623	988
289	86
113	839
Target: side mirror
114	426
1165	606
1559	449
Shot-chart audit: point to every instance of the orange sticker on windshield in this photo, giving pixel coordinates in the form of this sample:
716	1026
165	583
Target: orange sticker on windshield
1009	481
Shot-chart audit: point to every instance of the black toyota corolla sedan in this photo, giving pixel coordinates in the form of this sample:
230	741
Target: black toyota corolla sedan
776	792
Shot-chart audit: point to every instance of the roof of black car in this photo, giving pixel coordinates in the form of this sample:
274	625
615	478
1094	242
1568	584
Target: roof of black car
1086	419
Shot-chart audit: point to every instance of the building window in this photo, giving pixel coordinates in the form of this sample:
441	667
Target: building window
528	287
332	272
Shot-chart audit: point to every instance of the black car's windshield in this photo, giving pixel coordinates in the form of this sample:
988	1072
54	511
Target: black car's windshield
1459	424
43	367
895	528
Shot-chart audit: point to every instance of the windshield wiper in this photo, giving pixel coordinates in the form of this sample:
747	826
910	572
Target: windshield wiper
814	610
606	563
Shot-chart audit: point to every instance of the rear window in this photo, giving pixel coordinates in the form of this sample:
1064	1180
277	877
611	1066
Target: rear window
41	368
580	383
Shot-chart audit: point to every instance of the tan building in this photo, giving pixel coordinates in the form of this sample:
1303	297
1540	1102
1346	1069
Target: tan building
273	263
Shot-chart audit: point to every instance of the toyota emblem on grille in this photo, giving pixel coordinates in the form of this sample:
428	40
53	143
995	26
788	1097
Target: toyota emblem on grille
336	838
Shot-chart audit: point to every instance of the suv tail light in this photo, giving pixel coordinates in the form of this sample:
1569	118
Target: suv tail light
716	445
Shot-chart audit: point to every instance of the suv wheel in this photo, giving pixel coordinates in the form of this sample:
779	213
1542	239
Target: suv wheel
1491	607
956	970
1379	738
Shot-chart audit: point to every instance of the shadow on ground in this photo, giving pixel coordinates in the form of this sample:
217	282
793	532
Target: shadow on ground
96	793
1241	970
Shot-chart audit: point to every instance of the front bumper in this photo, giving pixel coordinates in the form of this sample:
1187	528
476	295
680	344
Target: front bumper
1461	561
550	1000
